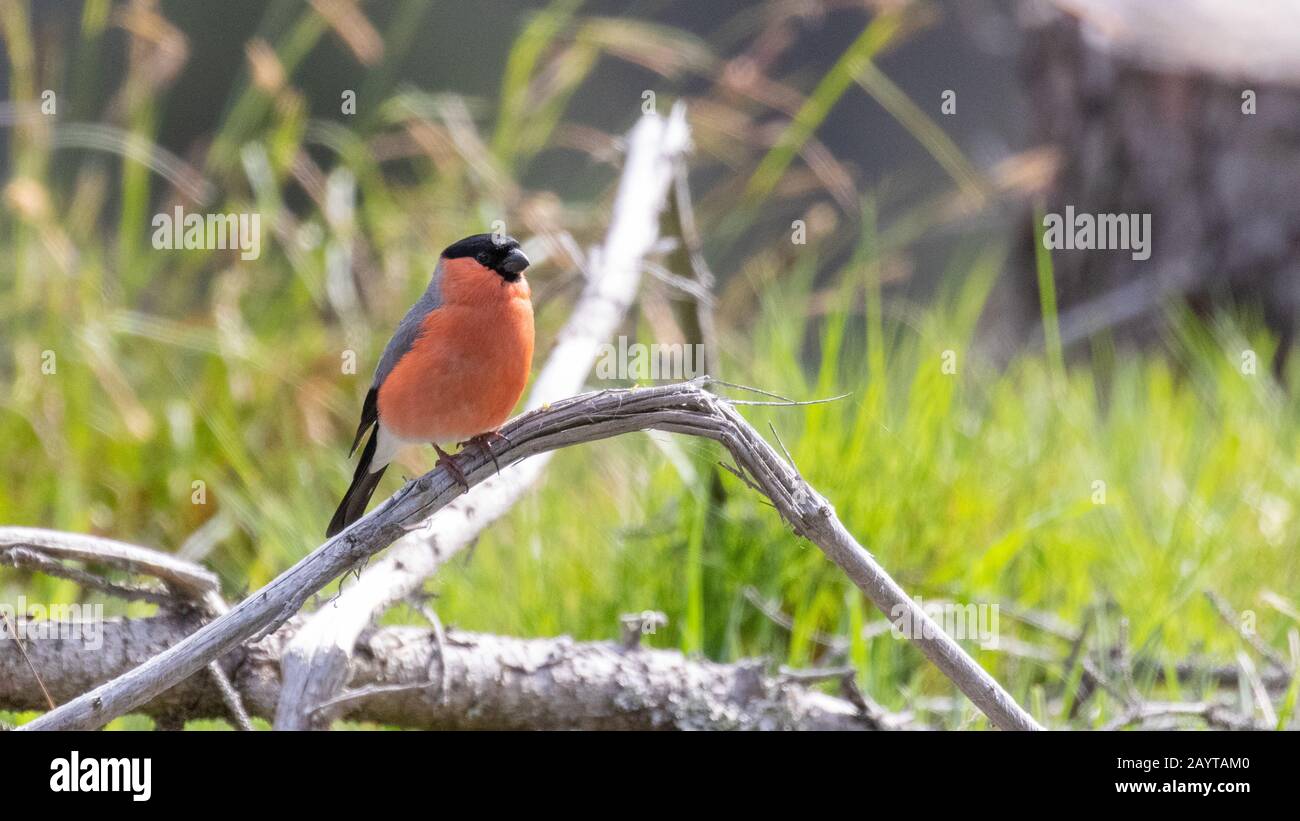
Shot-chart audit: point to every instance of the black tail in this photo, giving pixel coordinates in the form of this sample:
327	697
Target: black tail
363	486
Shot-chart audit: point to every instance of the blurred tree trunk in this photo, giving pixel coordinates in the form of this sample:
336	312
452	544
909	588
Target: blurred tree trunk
1148	104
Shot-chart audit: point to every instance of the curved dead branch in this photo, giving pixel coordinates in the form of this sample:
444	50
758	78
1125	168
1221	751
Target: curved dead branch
678	408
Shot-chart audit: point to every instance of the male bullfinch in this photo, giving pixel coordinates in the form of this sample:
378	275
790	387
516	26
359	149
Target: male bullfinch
455	368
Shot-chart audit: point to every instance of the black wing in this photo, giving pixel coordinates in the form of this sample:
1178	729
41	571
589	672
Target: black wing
407	332
369	416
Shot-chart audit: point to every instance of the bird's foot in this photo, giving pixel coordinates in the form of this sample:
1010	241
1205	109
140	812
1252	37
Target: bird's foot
446	460
484	444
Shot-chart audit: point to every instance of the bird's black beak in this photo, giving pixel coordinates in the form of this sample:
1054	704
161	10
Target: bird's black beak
514	263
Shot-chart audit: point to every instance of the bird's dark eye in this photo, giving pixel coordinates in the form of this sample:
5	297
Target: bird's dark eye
482	258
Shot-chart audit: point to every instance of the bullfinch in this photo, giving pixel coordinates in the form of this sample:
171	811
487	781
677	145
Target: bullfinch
454	369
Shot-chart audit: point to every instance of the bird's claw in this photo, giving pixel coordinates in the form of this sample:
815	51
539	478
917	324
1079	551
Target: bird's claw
447	461
484	443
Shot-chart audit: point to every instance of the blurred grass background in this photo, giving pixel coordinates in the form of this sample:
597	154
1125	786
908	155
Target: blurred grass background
185	367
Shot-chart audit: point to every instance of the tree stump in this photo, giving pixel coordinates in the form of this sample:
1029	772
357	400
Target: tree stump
1186	111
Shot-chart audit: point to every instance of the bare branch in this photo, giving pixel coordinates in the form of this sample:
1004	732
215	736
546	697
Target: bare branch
29	559
678	408
184	578
1233	619
1257	689
229	695
1215	715
838	645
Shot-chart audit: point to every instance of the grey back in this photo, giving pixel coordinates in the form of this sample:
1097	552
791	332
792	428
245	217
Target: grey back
408	330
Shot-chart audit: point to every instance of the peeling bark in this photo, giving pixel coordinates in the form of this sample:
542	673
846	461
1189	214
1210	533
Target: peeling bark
407	677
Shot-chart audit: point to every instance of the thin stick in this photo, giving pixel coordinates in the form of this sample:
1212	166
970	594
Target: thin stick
185	578
18	641
231	697
1233	620
34	560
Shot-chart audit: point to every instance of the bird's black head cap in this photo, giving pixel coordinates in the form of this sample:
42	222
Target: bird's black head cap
495	251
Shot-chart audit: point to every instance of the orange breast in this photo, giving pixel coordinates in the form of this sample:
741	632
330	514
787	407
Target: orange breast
465	372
